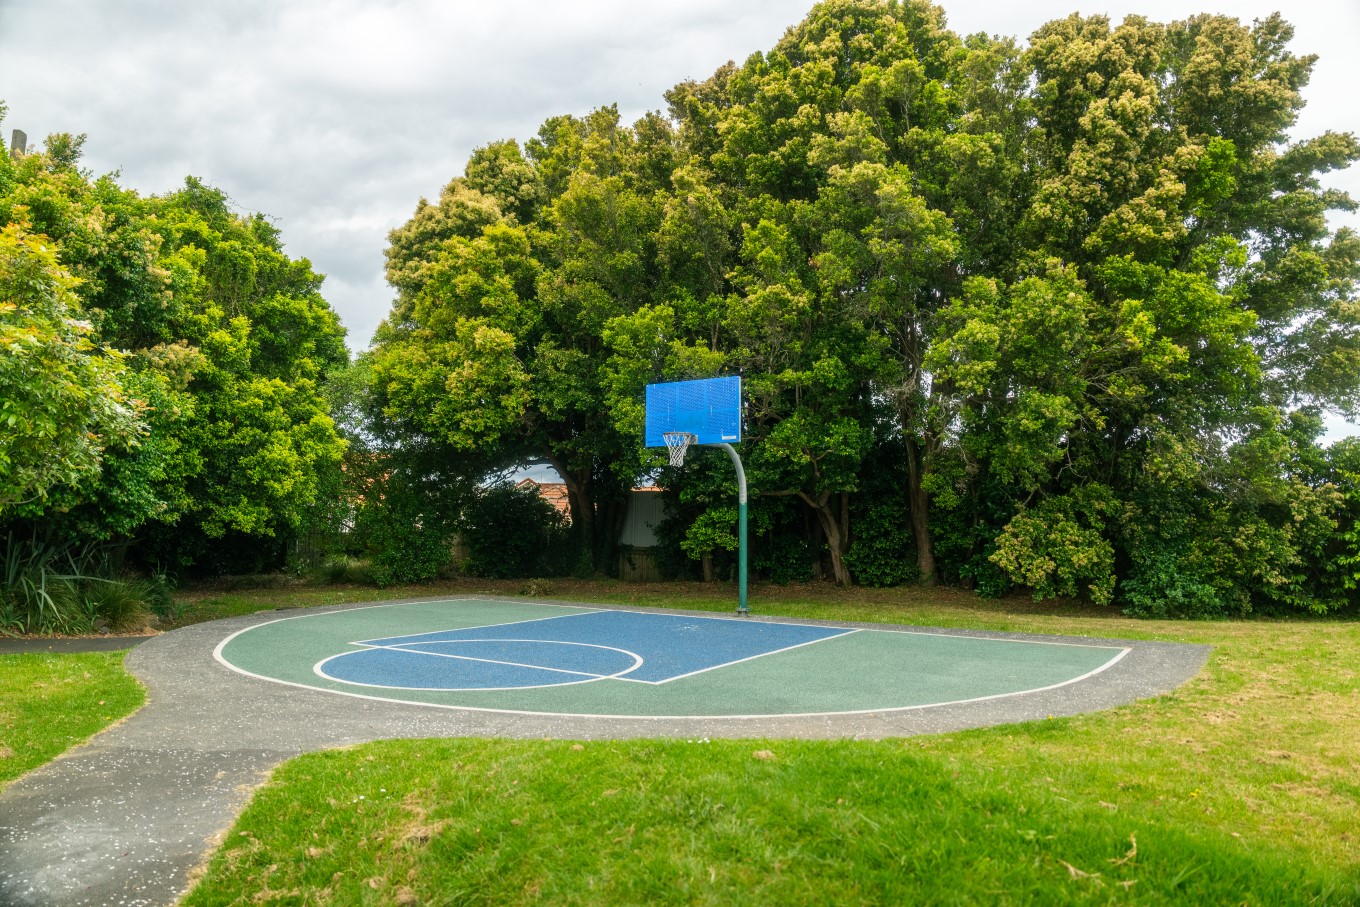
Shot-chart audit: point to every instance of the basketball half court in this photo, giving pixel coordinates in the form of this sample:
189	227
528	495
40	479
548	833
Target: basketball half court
556	659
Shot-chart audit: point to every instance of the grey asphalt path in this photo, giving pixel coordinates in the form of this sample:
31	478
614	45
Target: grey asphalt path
124	819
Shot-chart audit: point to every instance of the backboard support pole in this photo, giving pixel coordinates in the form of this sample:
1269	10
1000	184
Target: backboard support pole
743	608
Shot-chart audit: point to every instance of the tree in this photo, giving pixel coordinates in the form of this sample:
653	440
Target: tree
813	235
1083	289
497	350
63	401
1177	295
198	323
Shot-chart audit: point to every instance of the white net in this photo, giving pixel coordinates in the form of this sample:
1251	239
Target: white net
677	442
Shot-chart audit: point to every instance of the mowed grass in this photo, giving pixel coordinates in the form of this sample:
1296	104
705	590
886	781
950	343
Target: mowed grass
732	822
51	702
1240	787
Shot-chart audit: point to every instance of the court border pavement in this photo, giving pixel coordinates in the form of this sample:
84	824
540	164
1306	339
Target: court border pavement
125	818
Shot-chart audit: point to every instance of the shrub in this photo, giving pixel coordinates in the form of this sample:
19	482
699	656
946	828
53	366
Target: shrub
713	530
883	552
44	605
1159	589
785	557
121	604
38	593
512	532
343	569
158	593
671	560
47	588
1059	547
415	555
407	531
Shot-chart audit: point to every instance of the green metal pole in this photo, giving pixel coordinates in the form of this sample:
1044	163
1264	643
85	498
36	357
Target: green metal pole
742	608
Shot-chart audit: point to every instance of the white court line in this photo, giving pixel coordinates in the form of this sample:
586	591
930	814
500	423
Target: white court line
488	661
785	623
582	610
387	686
637	659
221	646
587	613
218	650
588	677
641	612
829	625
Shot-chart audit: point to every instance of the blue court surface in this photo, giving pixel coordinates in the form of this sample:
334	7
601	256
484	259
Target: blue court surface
571	648
558	659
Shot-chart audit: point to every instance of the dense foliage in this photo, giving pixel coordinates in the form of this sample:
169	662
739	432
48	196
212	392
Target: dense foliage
1062	315
160	385
511	531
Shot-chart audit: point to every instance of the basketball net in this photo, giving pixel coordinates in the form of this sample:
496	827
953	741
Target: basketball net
677	442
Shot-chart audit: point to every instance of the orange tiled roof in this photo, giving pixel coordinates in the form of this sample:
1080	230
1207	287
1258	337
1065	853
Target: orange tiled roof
555	493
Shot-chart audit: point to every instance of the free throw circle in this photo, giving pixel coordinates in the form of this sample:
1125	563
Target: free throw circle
452	665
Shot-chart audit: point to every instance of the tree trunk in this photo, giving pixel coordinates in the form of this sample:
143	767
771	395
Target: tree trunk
837	528
706	563
582	513
919	500
911	341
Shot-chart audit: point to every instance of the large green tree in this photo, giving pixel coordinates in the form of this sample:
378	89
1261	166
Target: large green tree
218	340
1081	289
1177	295
801	249
496	346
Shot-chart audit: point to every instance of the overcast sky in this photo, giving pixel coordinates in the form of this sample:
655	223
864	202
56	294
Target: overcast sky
335	116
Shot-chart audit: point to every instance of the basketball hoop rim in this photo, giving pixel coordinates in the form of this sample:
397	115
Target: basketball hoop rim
677	443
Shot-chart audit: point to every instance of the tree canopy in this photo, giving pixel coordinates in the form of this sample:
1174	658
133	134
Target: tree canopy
1060	314
62	400
161	370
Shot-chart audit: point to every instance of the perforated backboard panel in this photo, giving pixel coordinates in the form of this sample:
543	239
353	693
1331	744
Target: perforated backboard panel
709	408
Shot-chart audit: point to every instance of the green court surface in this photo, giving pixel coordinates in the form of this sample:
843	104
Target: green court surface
858	670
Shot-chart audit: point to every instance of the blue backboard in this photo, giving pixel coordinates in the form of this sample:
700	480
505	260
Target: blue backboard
709	408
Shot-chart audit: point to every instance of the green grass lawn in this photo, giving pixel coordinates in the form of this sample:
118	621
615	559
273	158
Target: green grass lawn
51	702
733	822
1241	787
